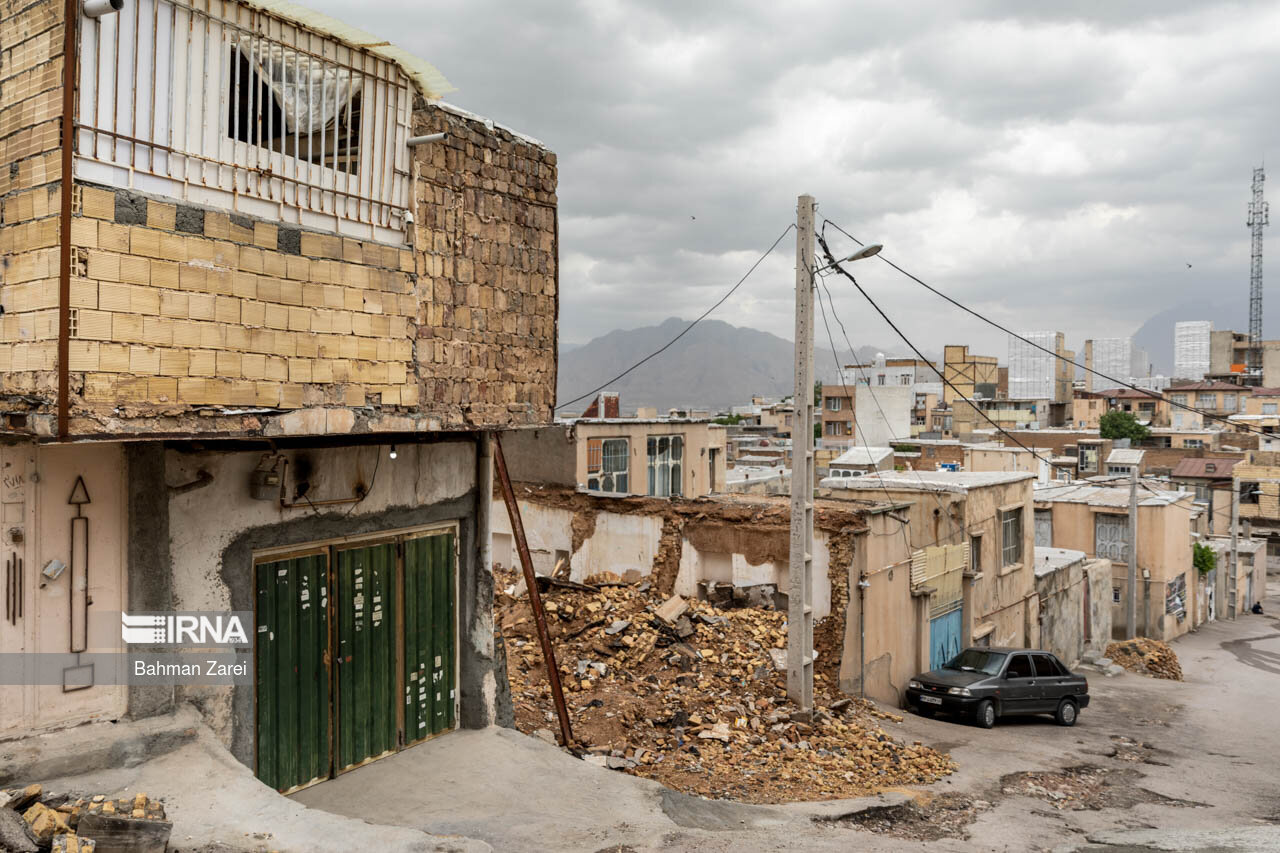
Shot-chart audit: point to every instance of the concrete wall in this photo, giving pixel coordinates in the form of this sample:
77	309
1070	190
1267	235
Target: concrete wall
896	623
629	541
883	413
36	483
543	455
215	531
1075	608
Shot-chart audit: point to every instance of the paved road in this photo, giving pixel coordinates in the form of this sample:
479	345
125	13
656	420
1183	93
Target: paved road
1192	766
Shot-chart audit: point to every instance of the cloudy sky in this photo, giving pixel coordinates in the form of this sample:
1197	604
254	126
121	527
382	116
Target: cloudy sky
1054	168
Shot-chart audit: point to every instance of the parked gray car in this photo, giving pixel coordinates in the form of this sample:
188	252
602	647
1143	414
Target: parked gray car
991	683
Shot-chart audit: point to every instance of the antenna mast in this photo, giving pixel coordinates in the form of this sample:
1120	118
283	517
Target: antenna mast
1258	216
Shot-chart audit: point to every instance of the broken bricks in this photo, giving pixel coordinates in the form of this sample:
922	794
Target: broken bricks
707	714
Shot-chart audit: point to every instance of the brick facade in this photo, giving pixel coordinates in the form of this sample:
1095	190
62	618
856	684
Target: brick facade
178	310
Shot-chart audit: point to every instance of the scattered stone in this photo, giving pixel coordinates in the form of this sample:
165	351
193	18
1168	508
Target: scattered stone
672	609
1114	669
1146	657
15	833
21	800
73	844
618	627
615	762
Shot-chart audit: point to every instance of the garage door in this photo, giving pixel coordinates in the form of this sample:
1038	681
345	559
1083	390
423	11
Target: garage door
292	671
343	633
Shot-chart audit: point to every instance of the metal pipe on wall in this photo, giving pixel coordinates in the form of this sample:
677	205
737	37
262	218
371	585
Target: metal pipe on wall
70	74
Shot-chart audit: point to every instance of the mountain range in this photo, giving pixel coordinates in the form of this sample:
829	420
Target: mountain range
716	365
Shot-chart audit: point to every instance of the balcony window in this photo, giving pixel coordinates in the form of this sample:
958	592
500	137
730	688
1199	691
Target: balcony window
227	105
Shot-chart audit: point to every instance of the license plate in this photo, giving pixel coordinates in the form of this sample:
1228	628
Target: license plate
931	700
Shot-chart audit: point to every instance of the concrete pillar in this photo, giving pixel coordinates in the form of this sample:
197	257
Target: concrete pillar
149	569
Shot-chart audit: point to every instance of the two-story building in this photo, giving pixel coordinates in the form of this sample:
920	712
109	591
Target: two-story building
838	411
1094	519
1220	399
972	546
267	300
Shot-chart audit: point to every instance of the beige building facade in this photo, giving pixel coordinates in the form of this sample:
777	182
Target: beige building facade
1094	519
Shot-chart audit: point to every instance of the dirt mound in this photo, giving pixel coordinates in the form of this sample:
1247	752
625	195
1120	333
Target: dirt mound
697	701
1146	657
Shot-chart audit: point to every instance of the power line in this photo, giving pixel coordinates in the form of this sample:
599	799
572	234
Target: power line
858	429
687	329
835	264
1119	383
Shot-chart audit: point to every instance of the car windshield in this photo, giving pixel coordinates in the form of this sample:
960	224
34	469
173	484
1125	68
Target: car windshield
977	660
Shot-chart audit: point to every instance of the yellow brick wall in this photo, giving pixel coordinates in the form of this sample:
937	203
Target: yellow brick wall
30	166
169	318
454	328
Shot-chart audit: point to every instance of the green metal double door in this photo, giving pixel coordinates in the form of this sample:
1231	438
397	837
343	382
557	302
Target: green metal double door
355	654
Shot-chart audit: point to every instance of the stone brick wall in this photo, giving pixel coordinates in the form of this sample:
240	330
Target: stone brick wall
189	320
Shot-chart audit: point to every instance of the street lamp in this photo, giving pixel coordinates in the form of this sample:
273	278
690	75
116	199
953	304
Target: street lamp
868	251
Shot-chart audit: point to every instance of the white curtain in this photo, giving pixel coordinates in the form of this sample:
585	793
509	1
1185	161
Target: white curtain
309	91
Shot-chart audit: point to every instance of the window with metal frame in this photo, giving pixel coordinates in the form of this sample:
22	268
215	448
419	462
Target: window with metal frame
609	470
666	465
1011	537
1111	536
221	103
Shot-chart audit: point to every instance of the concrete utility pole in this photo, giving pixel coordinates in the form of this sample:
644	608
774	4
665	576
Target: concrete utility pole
800	580
1235	554
1131	621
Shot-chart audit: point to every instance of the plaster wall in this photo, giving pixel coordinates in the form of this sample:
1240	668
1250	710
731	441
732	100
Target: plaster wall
895	621
36	484
215	531
621	542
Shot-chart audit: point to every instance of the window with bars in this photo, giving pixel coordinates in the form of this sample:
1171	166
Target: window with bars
608	464
1010	537
666	468
224	104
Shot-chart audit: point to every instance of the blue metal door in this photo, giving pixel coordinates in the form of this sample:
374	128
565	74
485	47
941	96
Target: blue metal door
944	638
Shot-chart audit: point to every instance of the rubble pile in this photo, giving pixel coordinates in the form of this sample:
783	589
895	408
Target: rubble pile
33	820
1146	657
694	696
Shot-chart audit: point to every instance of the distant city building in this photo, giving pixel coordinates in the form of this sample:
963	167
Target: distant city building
1040	367
1116	358
1191	349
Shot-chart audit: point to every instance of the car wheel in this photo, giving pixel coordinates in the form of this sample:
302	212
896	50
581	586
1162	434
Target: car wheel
985	715
1066	713
924	711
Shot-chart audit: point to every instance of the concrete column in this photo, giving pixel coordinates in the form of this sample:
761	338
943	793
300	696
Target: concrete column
149	568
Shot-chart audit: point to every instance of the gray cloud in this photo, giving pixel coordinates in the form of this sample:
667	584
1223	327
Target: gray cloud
1056	165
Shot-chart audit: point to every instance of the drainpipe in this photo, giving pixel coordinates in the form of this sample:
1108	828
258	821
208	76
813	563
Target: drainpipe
863	586
71	19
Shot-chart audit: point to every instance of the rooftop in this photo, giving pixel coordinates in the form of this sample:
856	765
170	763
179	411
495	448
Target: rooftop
959	482
1125	456
1205	468
1208	385
863	456
1049	560
1110	496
